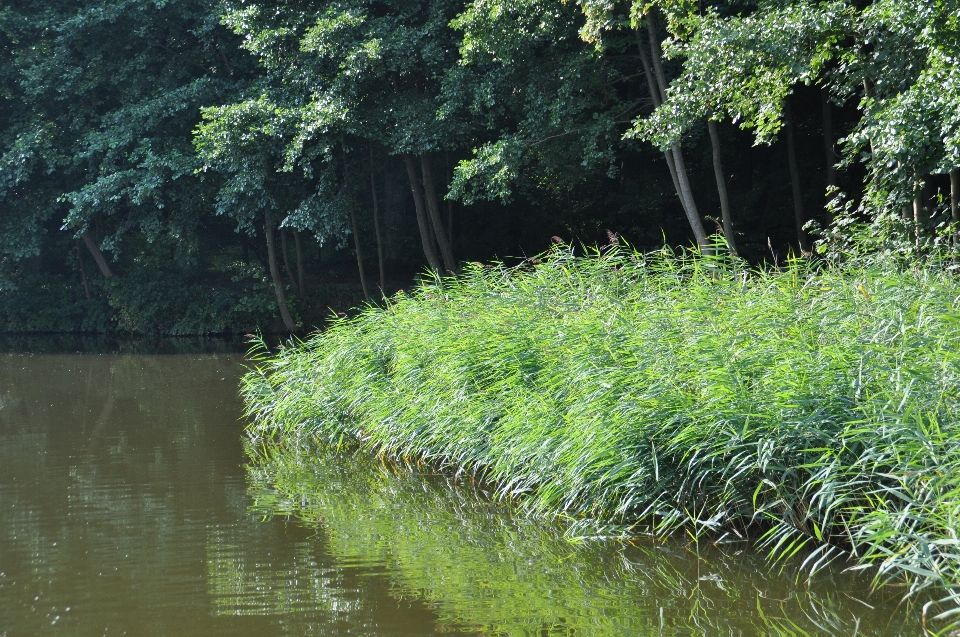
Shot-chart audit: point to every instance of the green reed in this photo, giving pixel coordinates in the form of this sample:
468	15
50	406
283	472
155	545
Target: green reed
812	409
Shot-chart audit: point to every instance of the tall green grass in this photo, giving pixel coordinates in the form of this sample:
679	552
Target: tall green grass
811	409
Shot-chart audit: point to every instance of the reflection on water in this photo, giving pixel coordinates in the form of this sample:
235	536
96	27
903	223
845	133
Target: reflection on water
483	568
125	508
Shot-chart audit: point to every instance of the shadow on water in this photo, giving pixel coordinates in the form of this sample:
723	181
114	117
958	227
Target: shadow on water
484	568
100	344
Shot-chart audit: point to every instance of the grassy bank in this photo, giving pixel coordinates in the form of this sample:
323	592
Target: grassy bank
814	410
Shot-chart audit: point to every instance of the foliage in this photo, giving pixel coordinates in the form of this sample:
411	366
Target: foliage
898	58
744	67
812	408
336	77
195	124
34	303
103	99
564	113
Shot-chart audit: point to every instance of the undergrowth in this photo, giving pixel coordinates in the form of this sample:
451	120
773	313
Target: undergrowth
811	408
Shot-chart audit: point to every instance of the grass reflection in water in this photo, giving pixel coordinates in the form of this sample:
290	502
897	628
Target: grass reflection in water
486	568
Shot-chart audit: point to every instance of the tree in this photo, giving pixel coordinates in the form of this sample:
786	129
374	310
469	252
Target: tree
552	109
898	58
340	77
106	97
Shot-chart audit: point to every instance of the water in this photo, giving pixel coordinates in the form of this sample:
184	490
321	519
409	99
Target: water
128	506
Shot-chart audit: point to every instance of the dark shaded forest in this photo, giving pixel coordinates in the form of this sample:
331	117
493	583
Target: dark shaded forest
184	167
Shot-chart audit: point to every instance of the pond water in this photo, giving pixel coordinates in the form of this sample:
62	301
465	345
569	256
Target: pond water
129	506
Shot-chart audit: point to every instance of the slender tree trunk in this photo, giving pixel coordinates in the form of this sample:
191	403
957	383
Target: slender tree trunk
828	147
286	259
449	201
920	213
425	239
693	215
799	217
672	167
906	213
301	281
356	245
655	97
83	271
657	83
955	202
656	54
866	94
261	256
725	212
376	224
433	207
97	255
433	235
275	273
388	219
919	210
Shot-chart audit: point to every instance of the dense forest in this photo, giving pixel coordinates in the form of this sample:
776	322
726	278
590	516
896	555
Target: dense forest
179	167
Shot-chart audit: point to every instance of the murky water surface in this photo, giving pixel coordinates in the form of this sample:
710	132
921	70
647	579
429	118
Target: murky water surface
128	506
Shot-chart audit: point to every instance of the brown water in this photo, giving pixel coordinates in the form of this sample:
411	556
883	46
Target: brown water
128	506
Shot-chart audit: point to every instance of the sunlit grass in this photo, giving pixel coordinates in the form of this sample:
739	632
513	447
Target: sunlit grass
813	409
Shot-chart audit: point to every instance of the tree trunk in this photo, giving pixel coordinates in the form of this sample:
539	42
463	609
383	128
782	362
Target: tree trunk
388	213
83	271
655	97
449	201
828	147
920	213
657	84
301	281
376	224
906	212
261	257
693	215
286	259
433	207
955	202
919	210
425	239
725	212
866	94
656	54
799	217
275	273
356	245
97	255
672	167
433	233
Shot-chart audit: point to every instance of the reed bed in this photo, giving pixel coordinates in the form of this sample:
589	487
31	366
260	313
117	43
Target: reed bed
812	409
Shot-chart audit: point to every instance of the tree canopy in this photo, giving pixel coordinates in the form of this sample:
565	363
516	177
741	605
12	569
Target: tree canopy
250	161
